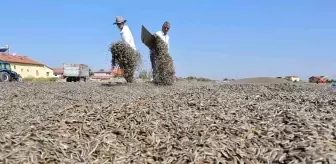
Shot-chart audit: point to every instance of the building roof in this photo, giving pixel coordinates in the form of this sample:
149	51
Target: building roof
58	70
17	59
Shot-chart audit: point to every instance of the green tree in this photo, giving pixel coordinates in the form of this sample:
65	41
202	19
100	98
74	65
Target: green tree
331	81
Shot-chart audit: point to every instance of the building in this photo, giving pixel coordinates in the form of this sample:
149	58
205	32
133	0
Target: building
25	66
318	79
102	75
58	72
292	78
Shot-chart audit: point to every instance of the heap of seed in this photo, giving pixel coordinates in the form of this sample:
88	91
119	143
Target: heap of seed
127	58
164	72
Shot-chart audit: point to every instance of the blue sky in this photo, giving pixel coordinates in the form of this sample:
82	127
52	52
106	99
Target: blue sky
214	39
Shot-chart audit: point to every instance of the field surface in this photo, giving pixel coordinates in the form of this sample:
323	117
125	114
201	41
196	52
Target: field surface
190	122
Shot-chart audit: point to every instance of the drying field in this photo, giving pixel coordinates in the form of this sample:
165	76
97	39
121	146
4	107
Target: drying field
196	122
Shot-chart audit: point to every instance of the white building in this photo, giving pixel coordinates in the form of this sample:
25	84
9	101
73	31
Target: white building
102	75
292	78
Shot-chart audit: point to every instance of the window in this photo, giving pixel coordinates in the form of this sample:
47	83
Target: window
7	66
47	73
27	70
14	66
37	73
21	70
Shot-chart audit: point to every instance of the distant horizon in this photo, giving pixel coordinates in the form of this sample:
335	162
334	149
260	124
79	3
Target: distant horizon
301	79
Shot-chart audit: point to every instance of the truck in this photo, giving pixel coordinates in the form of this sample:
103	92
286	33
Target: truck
7	75
75	72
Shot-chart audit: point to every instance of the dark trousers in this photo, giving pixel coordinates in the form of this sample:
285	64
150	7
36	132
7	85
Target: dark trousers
153	62
152	58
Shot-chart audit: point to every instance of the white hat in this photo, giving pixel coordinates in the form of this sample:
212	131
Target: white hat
119	19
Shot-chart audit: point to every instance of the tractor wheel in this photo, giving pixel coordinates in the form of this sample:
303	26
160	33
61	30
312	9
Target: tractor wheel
4	77
19	79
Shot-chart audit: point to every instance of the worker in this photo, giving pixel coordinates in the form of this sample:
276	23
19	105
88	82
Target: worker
163	34
125	33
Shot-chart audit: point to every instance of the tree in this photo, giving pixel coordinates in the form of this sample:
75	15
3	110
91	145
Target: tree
331	81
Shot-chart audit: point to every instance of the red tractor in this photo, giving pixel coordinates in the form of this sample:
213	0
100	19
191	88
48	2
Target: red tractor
323	81
318	79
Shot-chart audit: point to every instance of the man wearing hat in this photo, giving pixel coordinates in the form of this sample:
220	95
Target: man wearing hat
125	32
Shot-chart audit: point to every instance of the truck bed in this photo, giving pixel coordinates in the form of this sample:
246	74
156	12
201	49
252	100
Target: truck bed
75	70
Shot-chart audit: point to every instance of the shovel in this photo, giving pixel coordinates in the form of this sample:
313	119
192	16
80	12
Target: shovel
147	38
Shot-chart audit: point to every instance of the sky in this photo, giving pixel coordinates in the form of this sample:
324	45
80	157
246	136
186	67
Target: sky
213	39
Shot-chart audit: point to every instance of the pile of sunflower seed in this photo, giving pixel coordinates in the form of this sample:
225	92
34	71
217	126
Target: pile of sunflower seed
164	72
189	122
127	58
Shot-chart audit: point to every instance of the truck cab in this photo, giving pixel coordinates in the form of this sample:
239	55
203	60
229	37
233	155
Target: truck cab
6	74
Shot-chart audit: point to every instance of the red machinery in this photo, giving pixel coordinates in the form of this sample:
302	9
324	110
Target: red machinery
117	71
318	79
322	80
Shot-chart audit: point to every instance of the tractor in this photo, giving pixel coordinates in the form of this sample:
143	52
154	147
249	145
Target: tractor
6	74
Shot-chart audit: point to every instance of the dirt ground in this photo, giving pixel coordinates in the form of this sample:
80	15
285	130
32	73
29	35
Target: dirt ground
189	122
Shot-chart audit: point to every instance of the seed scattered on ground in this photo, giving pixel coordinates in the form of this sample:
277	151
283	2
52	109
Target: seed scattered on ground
189	122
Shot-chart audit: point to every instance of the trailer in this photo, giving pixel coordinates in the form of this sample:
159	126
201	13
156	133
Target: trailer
75	72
